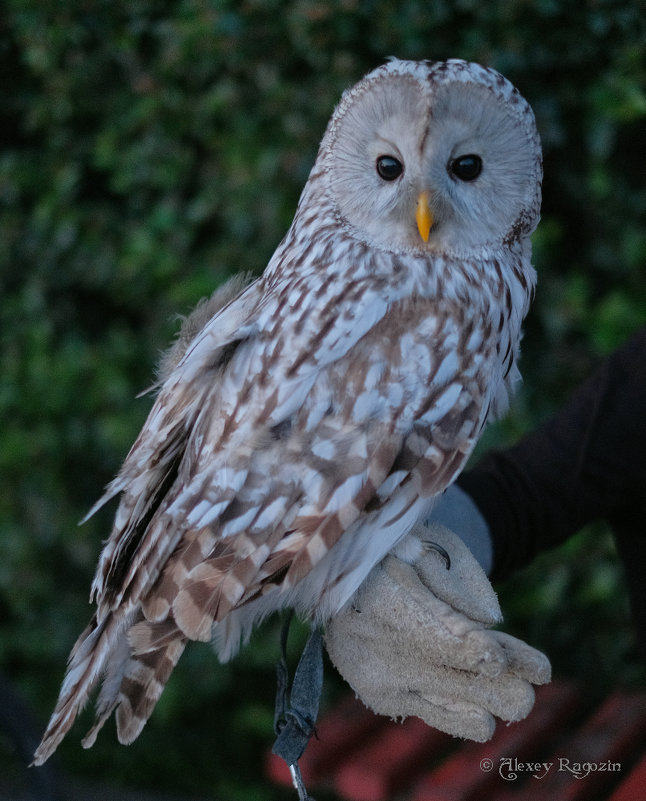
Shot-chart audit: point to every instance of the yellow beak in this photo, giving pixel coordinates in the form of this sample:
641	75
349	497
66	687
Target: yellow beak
424	215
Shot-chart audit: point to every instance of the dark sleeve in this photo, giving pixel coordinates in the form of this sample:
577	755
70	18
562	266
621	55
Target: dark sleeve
587	463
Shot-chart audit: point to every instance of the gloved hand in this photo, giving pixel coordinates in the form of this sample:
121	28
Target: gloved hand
415	640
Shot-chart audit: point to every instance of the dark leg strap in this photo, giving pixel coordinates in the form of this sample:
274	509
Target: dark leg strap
295	724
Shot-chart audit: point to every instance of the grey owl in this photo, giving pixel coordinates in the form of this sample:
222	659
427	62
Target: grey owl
301	431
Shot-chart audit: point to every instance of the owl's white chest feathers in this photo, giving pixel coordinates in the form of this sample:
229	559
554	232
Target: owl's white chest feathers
381	386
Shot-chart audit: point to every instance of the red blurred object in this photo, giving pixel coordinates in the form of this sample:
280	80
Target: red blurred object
593	753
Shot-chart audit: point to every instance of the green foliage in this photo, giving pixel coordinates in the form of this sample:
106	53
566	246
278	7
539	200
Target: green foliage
151	149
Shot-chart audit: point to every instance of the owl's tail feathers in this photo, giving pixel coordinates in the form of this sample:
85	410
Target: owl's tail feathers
135	677
155	650
134	662
87	663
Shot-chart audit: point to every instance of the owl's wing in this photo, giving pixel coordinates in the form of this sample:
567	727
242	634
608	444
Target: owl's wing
251	477
184	458
396	417
189	368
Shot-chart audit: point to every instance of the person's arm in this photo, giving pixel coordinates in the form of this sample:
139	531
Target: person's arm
586	463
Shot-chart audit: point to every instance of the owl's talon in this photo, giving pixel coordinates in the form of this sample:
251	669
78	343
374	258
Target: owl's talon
434	546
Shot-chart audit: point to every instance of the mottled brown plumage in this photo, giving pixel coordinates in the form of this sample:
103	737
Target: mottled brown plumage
305	420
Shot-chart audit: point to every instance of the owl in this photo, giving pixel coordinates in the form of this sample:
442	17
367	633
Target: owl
306	419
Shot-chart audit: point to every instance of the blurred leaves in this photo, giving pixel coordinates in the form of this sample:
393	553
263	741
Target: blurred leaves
150	149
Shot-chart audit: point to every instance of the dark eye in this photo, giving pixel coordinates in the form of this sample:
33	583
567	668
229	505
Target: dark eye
389	168
466	168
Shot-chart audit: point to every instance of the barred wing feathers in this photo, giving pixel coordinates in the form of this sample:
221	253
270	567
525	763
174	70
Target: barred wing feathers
246	476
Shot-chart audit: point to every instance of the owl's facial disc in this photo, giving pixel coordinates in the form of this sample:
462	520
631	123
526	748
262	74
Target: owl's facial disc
448	165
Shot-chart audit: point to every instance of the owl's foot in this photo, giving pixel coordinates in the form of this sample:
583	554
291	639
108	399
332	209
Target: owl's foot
428	545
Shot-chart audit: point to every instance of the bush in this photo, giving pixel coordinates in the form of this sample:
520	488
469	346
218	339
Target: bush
151	149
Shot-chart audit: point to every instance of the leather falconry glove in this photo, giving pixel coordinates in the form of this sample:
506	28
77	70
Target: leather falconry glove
416	639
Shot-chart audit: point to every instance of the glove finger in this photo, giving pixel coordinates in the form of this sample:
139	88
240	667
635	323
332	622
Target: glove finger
399	687
403	632
510	698
371	682
453	716
476	652
456	717
459	646
524	661
413	604
464	586
506	696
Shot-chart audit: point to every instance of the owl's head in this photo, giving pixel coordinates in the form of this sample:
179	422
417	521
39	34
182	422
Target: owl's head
433	156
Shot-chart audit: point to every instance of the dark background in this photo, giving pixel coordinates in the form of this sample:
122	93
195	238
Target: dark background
148	150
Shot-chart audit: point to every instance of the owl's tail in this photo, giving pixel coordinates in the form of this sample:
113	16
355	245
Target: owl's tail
133	677
87	662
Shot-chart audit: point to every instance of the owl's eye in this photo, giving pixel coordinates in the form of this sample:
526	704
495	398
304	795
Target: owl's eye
466	168
389	168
